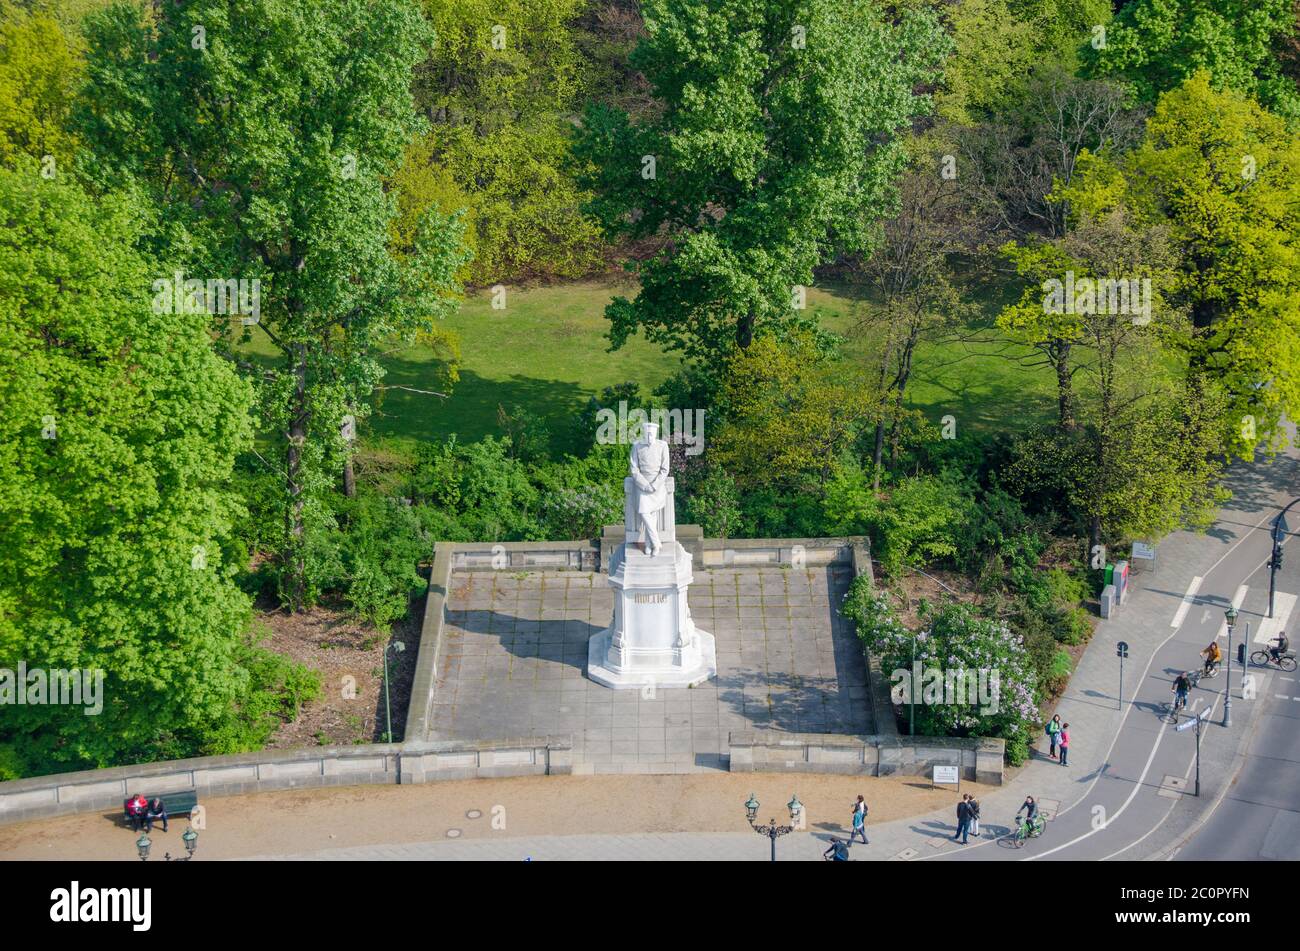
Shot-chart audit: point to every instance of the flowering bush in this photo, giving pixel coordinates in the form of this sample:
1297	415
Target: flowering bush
966	675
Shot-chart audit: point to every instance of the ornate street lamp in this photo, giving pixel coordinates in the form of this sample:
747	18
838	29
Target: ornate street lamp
142	845
772	830
191	840
1231	615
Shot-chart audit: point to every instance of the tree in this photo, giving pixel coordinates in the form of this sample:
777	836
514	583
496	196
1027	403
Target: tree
40	68
776	141
499	90
788	410
913	281
1218	171
119	427
264	132
1159	44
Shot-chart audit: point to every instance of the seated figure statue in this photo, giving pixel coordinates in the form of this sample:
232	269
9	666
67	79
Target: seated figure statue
648	468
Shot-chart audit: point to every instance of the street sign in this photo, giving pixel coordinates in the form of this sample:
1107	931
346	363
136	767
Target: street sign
1121	649
1200	717
947	775
1280	528
1144	552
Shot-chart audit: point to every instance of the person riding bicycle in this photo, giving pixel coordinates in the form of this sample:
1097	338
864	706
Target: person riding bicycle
1277	653
1213	655
1182	684
1030	808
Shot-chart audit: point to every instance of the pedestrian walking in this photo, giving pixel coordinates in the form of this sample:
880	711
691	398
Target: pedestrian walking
973	806
1065	742
859	821
1053	734
963	819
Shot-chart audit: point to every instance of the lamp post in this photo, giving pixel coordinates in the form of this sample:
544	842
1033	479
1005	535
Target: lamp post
388	703
911	693
772	830
190	838
1231	615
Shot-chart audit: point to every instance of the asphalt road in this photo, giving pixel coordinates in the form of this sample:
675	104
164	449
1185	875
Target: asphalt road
1134	792
1259	815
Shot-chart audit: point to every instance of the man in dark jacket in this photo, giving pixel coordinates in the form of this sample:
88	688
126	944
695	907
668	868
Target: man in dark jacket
963	820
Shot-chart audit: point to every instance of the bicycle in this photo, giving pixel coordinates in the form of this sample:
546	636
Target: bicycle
1027	829
1172	707
1201	673
1264	658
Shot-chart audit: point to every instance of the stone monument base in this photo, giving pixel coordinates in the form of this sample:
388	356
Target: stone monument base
651	641
686	672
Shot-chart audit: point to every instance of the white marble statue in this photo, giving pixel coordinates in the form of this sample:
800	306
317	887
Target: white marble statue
651	641
648	467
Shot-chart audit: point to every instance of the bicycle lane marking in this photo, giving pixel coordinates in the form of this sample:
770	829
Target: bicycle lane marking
1182	610
1181	614
1138	786
1141	780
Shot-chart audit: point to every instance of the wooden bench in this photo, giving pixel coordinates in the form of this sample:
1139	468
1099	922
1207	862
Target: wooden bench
178	805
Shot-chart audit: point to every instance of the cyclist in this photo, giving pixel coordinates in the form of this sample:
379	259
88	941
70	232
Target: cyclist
1030	808
1213	655
1277	653
1182	684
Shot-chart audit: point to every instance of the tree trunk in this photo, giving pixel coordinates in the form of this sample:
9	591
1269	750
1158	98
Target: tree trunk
296	590
349	479
1064	386
877	457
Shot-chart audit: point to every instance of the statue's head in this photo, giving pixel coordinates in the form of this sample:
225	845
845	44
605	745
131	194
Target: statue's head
650	432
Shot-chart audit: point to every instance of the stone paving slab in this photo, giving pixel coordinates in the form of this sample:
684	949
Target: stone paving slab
514	653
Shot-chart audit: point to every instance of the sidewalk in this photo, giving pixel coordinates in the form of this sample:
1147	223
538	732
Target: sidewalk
1090	704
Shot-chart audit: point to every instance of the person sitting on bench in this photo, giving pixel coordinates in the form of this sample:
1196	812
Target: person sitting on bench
136	808
157	810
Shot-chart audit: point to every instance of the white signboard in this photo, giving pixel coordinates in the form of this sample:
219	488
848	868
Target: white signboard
947	775
1144	551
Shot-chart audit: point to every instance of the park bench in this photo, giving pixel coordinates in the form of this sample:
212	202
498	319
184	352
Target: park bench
179	805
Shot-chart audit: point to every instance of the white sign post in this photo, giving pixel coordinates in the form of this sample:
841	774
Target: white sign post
947	776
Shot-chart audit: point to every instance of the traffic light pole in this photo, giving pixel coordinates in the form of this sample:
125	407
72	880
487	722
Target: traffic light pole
1275	562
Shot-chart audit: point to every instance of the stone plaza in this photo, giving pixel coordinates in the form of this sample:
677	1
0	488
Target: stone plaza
514	650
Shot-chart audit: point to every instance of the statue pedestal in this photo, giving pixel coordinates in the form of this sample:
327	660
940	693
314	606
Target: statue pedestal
652	641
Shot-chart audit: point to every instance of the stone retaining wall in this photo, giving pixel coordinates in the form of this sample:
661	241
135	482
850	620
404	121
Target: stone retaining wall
875	755
98	790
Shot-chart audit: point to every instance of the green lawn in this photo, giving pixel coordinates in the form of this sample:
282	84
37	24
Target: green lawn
546	351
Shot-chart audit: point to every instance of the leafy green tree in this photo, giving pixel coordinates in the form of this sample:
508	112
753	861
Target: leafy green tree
788	414
119	427
915	522
40	68
264	132
499	90
1218	172
1159	44
776	142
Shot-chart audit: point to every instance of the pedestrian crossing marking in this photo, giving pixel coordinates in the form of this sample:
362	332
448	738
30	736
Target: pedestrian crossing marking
1238	600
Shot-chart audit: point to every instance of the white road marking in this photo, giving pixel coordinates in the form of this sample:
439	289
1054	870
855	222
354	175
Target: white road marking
1238	600
1283	605
1181	614
1083	797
